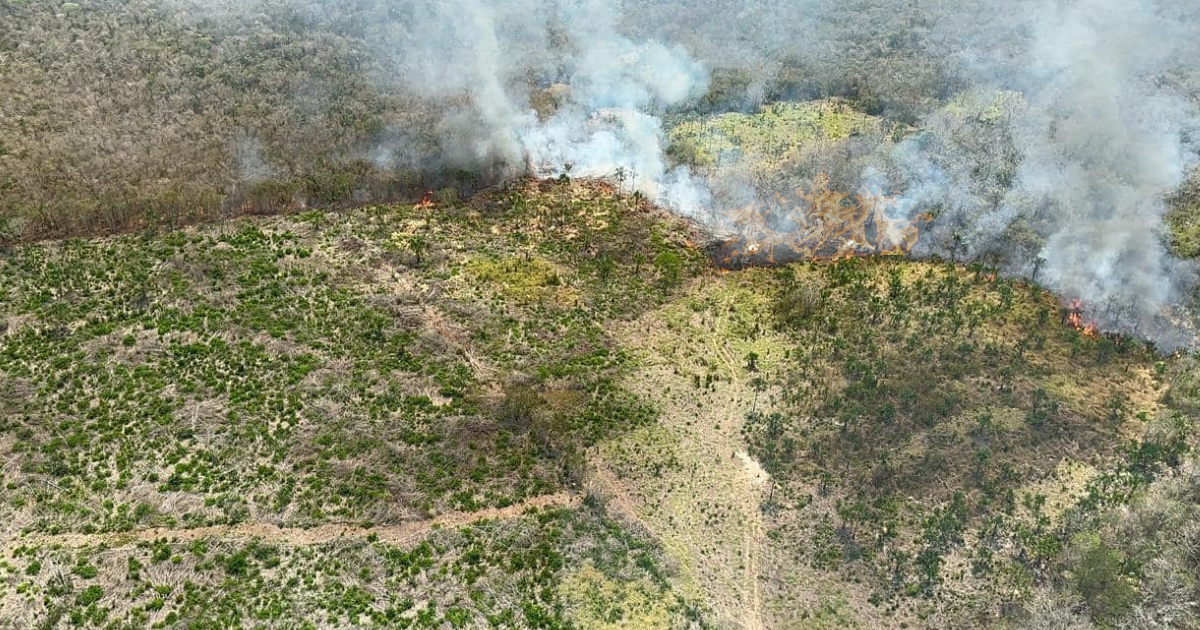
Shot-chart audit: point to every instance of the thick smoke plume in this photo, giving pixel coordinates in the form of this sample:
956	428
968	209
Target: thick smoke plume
607	90
1047	134
1092	145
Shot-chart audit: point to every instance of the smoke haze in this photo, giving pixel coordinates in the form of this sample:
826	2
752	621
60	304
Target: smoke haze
1047	135
1093	144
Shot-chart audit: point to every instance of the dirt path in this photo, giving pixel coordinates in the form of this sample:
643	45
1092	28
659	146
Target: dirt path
689	480
751	546
401	534
604	483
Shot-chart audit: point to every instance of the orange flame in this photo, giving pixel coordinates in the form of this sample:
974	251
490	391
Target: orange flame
426	201
828	221
1075	319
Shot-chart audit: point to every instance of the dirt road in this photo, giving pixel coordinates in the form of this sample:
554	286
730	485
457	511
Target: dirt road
400	534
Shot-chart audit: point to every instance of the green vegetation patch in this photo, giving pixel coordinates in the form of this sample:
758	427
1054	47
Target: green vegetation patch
921	403
316	368
769	136
497	574
1183	218
523	279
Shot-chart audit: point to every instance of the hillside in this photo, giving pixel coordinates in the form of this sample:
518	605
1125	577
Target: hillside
540	407
583	315
370	370
119	115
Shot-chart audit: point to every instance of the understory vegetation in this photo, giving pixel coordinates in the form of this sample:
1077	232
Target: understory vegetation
516	573
325	368
279	348
376	367
944	439
938	444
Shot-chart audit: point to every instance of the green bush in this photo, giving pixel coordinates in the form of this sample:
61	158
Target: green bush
90	595
1099	574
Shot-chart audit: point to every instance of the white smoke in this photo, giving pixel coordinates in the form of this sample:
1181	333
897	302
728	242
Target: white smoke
1097	146
482	54
1071	121
252	167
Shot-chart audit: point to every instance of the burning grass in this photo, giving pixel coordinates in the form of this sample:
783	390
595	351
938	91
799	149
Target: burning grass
823	225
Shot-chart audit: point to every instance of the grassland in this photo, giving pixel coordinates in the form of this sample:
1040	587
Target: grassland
368	369
945	486
541	570
882	443
541	408
783	145
537	407
1183	219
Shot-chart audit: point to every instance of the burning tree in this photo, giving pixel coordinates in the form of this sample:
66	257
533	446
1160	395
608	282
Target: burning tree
1074	317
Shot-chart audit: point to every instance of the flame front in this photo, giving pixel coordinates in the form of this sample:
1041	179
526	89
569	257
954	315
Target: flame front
830	226
1075	319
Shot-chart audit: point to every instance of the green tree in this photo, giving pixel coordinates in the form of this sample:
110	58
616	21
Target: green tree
670	268
1098	574
752	361
418	245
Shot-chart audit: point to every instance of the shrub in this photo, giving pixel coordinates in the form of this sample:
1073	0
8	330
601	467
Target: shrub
90	595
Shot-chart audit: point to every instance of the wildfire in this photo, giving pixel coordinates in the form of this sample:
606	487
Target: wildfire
1075	319
831	226
426	201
